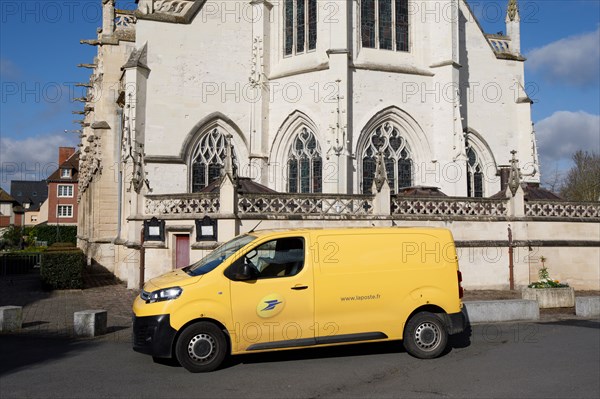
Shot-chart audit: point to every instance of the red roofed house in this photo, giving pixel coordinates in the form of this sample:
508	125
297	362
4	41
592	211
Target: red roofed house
62	188
8	216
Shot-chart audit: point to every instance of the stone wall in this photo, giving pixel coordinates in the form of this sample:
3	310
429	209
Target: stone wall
565	234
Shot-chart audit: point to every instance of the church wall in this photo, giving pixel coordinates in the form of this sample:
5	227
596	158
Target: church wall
192	76
489	93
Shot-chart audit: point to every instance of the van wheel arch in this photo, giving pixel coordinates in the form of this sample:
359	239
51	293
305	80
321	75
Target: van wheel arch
426	335
441	313
201	346
201	319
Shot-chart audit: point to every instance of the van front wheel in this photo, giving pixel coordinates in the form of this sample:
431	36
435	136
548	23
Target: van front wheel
201	347
425	336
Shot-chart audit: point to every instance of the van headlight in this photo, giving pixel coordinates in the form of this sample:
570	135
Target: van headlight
166	294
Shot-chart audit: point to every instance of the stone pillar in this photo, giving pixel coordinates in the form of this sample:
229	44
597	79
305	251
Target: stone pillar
339	134
90	323
259	122
447	145
227	223
11	318
517	202
108	17
513	27
146	6
381	188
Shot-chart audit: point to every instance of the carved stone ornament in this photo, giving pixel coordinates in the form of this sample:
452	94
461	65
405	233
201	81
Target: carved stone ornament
380	172
513	10
514	179
174	11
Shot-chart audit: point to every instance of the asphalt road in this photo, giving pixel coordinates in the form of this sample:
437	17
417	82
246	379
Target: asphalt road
534	360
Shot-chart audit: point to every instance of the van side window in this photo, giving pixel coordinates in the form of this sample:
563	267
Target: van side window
278	258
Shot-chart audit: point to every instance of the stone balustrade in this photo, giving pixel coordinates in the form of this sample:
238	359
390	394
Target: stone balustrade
500	44
187	206
305	204
563	209
124	20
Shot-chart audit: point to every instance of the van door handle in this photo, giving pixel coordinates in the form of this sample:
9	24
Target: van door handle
299	287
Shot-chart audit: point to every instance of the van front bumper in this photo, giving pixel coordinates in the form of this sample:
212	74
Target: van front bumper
153	335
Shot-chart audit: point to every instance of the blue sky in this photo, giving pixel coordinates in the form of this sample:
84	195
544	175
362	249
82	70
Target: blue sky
40	50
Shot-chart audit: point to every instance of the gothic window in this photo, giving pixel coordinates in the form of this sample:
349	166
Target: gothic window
474	174
396	154
305	165
300	27
384	24
208	158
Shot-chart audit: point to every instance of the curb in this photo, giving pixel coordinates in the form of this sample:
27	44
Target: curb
504	310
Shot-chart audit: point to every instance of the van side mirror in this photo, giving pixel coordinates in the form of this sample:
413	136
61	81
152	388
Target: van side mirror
245	272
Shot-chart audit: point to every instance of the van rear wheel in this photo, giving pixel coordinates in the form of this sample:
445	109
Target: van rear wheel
201	347
425	336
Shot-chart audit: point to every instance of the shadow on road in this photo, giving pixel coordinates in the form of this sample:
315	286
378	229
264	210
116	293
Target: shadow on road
364	349
576	323
19	352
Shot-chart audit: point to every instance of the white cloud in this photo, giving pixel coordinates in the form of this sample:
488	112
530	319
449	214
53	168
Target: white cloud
8	69
32	158
562	134
573	61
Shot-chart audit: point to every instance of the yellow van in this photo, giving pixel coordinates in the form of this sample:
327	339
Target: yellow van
275	290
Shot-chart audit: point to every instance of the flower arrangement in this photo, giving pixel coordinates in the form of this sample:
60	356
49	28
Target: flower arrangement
545	280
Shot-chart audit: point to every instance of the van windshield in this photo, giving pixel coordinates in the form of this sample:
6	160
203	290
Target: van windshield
216	257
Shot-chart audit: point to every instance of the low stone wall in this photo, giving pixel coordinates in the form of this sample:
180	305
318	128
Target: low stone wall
495	311
587	306
551	297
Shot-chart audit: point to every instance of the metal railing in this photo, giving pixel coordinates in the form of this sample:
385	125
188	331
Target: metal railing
19	263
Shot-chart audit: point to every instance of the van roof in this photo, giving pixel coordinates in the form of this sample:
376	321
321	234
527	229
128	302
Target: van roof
334	230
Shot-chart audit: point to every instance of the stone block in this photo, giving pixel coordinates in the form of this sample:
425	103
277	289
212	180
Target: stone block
551	297
90	323
507	310
11	318
587	306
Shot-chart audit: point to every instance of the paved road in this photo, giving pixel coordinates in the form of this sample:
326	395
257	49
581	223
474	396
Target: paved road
543	360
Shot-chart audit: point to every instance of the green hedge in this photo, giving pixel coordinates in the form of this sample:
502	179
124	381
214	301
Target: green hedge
52	234
62	269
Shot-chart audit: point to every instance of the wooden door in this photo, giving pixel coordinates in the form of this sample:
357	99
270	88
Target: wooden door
182	250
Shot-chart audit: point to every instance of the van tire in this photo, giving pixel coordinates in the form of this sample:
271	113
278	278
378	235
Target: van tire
425	336
201	347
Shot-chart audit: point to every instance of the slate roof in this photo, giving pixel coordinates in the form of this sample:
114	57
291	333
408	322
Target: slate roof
71	163
533	192
29	191
421	191
6	197
245	185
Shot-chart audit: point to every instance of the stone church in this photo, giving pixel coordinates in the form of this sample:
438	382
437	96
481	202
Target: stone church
296	98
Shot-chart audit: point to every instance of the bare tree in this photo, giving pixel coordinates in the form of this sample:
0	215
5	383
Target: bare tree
582	182
554	180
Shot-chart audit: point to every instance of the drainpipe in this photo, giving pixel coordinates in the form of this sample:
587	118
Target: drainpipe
511	275
119	172
142	259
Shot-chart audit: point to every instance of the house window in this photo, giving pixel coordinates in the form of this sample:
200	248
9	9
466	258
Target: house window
384	24
65	173
474	174
208	158
65	211
305	165
65	190
396	154
300	26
